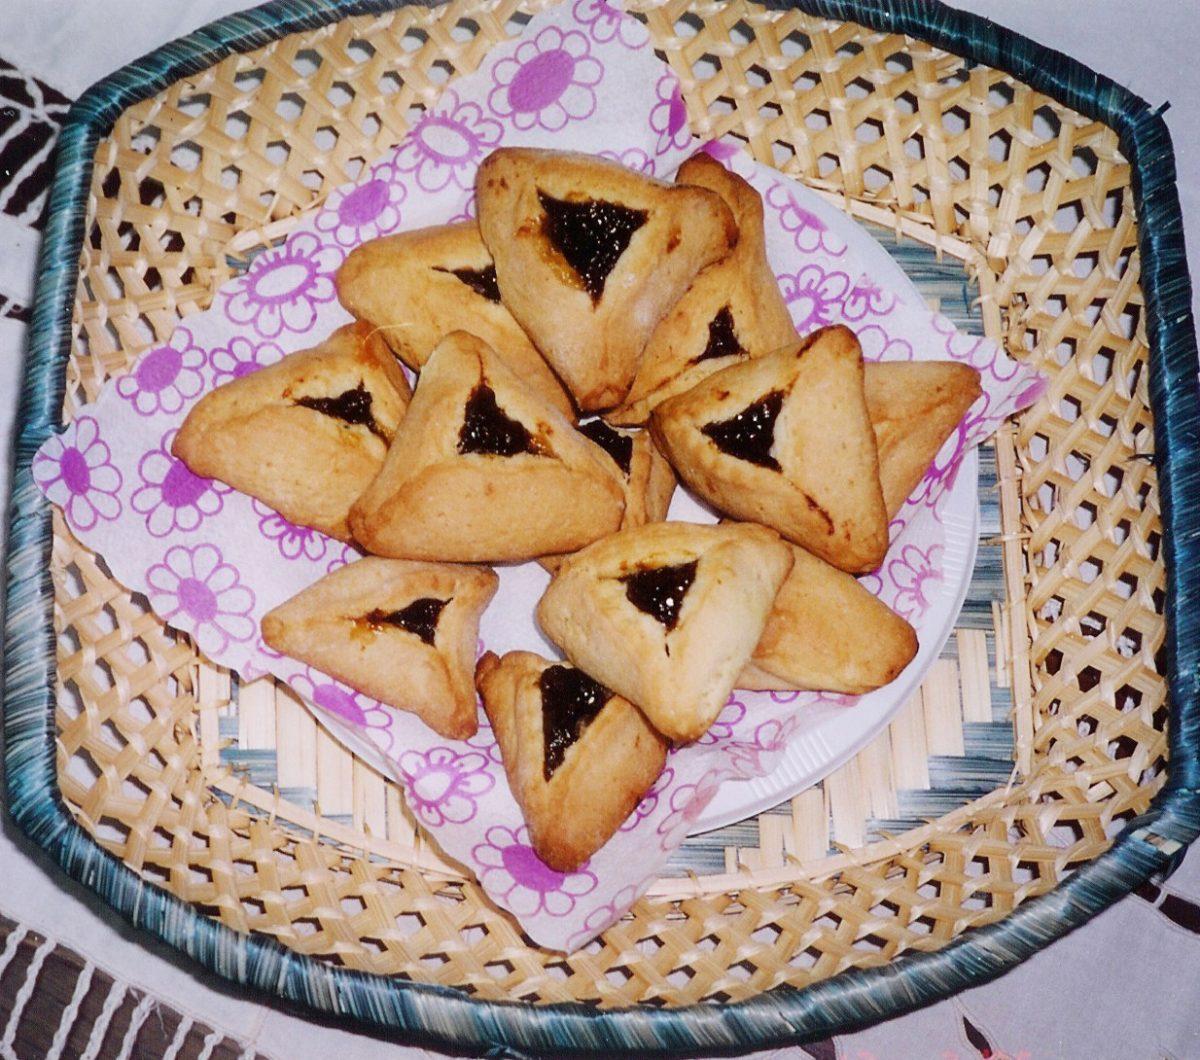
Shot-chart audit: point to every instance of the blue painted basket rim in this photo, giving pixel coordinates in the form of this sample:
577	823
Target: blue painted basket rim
441	1016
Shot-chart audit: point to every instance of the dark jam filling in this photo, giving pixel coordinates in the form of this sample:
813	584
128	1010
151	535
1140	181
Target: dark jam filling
481	281
660	591
570	702
619	446
591	235
722	340
486	429
351	406
420	617
750	434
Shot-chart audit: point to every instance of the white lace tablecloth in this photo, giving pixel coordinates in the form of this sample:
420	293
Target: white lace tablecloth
1126	985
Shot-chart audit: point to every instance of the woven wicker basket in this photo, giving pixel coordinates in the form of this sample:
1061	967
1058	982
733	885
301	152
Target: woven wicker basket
221	817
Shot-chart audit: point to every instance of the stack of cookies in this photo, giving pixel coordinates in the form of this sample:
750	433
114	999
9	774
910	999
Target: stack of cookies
597	333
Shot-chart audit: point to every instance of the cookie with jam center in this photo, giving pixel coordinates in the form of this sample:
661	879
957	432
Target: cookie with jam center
667	615
590	256
643	472
305	435
399	631
578	756
733	310
484	470
416	287
786	440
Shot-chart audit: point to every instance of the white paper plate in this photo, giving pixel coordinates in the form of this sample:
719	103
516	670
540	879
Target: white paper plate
831	734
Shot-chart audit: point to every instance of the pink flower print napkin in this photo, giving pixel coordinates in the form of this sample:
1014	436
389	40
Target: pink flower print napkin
212	561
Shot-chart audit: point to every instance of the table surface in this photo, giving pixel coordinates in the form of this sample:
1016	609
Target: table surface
1076	999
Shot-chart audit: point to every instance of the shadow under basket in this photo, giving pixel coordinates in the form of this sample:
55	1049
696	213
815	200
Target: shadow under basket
1049	764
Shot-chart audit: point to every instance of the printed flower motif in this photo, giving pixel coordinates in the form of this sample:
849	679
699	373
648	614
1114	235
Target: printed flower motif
784	697
513	874
722	729
633	158
369	209
878	345
347	555
943	469
292	541
668	117
722	150
171	497
467	213
687	802
914	572
753	757
607	22
809	231
980	353
443	786
836	699
360	711
649	801
447	144
282	288
867	298
74	471
484	740
608	913
547	81
196	591
241	357
166	377
812	295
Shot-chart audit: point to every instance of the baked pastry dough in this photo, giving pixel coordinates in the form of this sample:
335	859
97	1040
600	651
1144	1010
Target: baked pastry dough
732	311
402	632
483	470
305	435
591	255
578	757
914	407
667	615
419	286
826	633
785	440
644	474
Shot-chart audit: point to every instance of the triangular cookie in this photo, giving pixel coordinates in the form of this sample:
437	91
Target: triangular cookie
305	435
591	255
419	286
826	633
402	632
785	440
667	615
645	475
914	407
483	470
578	757
732	311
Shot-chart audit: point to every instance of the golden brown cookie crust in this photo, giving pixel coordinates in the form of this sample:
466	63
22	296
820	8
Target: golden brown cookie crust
431	501
407	287
340	625
680	675
594	345
823	491
603	775
310	467
743	285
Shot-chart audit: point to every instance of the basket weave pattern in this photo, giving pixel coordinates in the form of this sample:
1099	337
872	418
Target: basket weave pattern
1033	200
